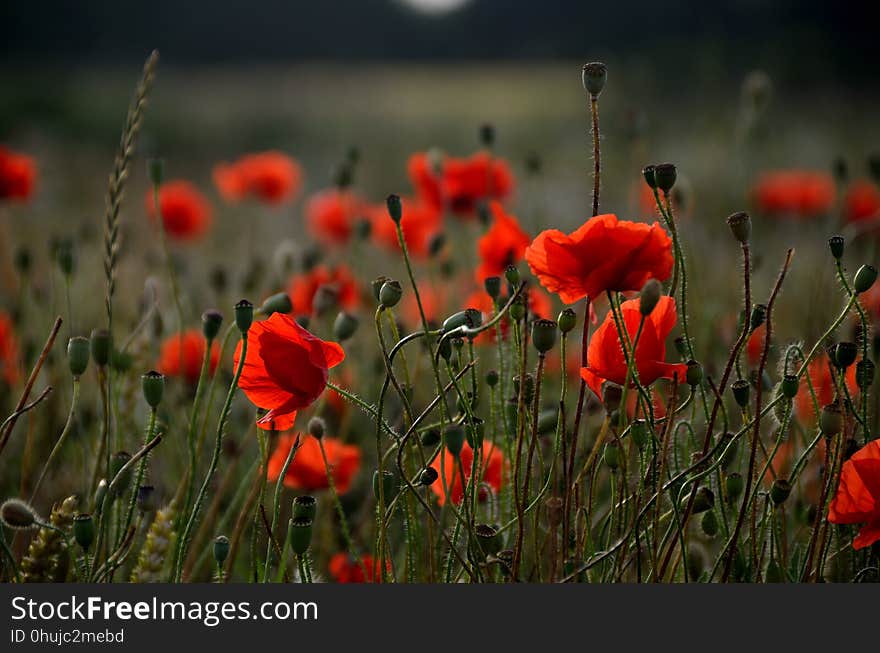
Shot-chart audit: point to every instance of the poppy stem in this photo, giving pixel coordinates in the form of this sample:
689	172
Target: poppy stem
594	115
863	338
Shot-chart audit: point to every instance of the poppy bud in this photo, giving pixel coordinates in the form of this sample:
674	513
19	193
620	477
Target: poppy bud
779	491
650	177
462	318
694	374
428	476
430	437
543	335
844	354
493	286
505	557
475	432
84	530
511	273
612	394
18	515
680	346
740	226
453	436
221	549
65	257
864	373
709	523
518	309
316	427
345	326
836	245
474	318
703	501
390	293
650	295
146	499
156	171
277	303
377	283
244	315
487	135
567	320
436	243
865	278
639	432
528	387
789	386
488	539
734	485
389	486
759	314
395	209
77	355
303	321
665	175
594	76
100	343
492	378
299	531
741	392
831	420
153	384
212	319
611	457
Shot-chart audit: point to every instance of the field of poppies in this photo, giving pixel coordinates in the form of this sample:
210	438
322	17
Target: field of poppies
419	340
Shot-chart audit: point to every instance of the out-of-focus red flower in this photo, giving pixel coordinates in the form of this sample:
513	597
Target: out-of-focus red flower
285	369
819	371
420	222
18	175
307	471
182	355
862	201
857	500
344	569
755	345
605	361
799	193
331	215
9	361
460	184
186	213
603	254
302	288
493	469
435	301
271	177
503	244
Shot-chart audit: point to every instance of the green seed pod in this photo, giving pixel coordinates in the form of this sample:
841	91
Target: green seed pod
492	378
377	283
709	523
740	226
865	373
493	287
475	430
18	515
612	395
594	75
650	177
101	343
156	171
517	309
511	273
389	486
78	355
299	531
611	456
665	174
430	438
221	549
474	318
831	420
488	539
650	296
865	278
117	462
454	436
153	384
640	434
212	319
567	320
741	392
734	485
456	320
779	491
244	315
345	326
836	244
544	335
694	375
84	530
316	427
789	386
844	354
703	501
428	476
395	208
277	303
759	315
390	293
305	507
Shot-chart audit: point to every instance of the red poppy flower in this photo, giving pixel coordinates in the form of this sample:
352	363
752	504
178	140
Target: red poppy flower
603	254
307	471
420	222
493	470
857	500
605	361
801	193
186	213
755	345
460	184
18	175
503	244
271	177
181	355
819	371
331	215
302	288
9	362
344	569
285	369
862	201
